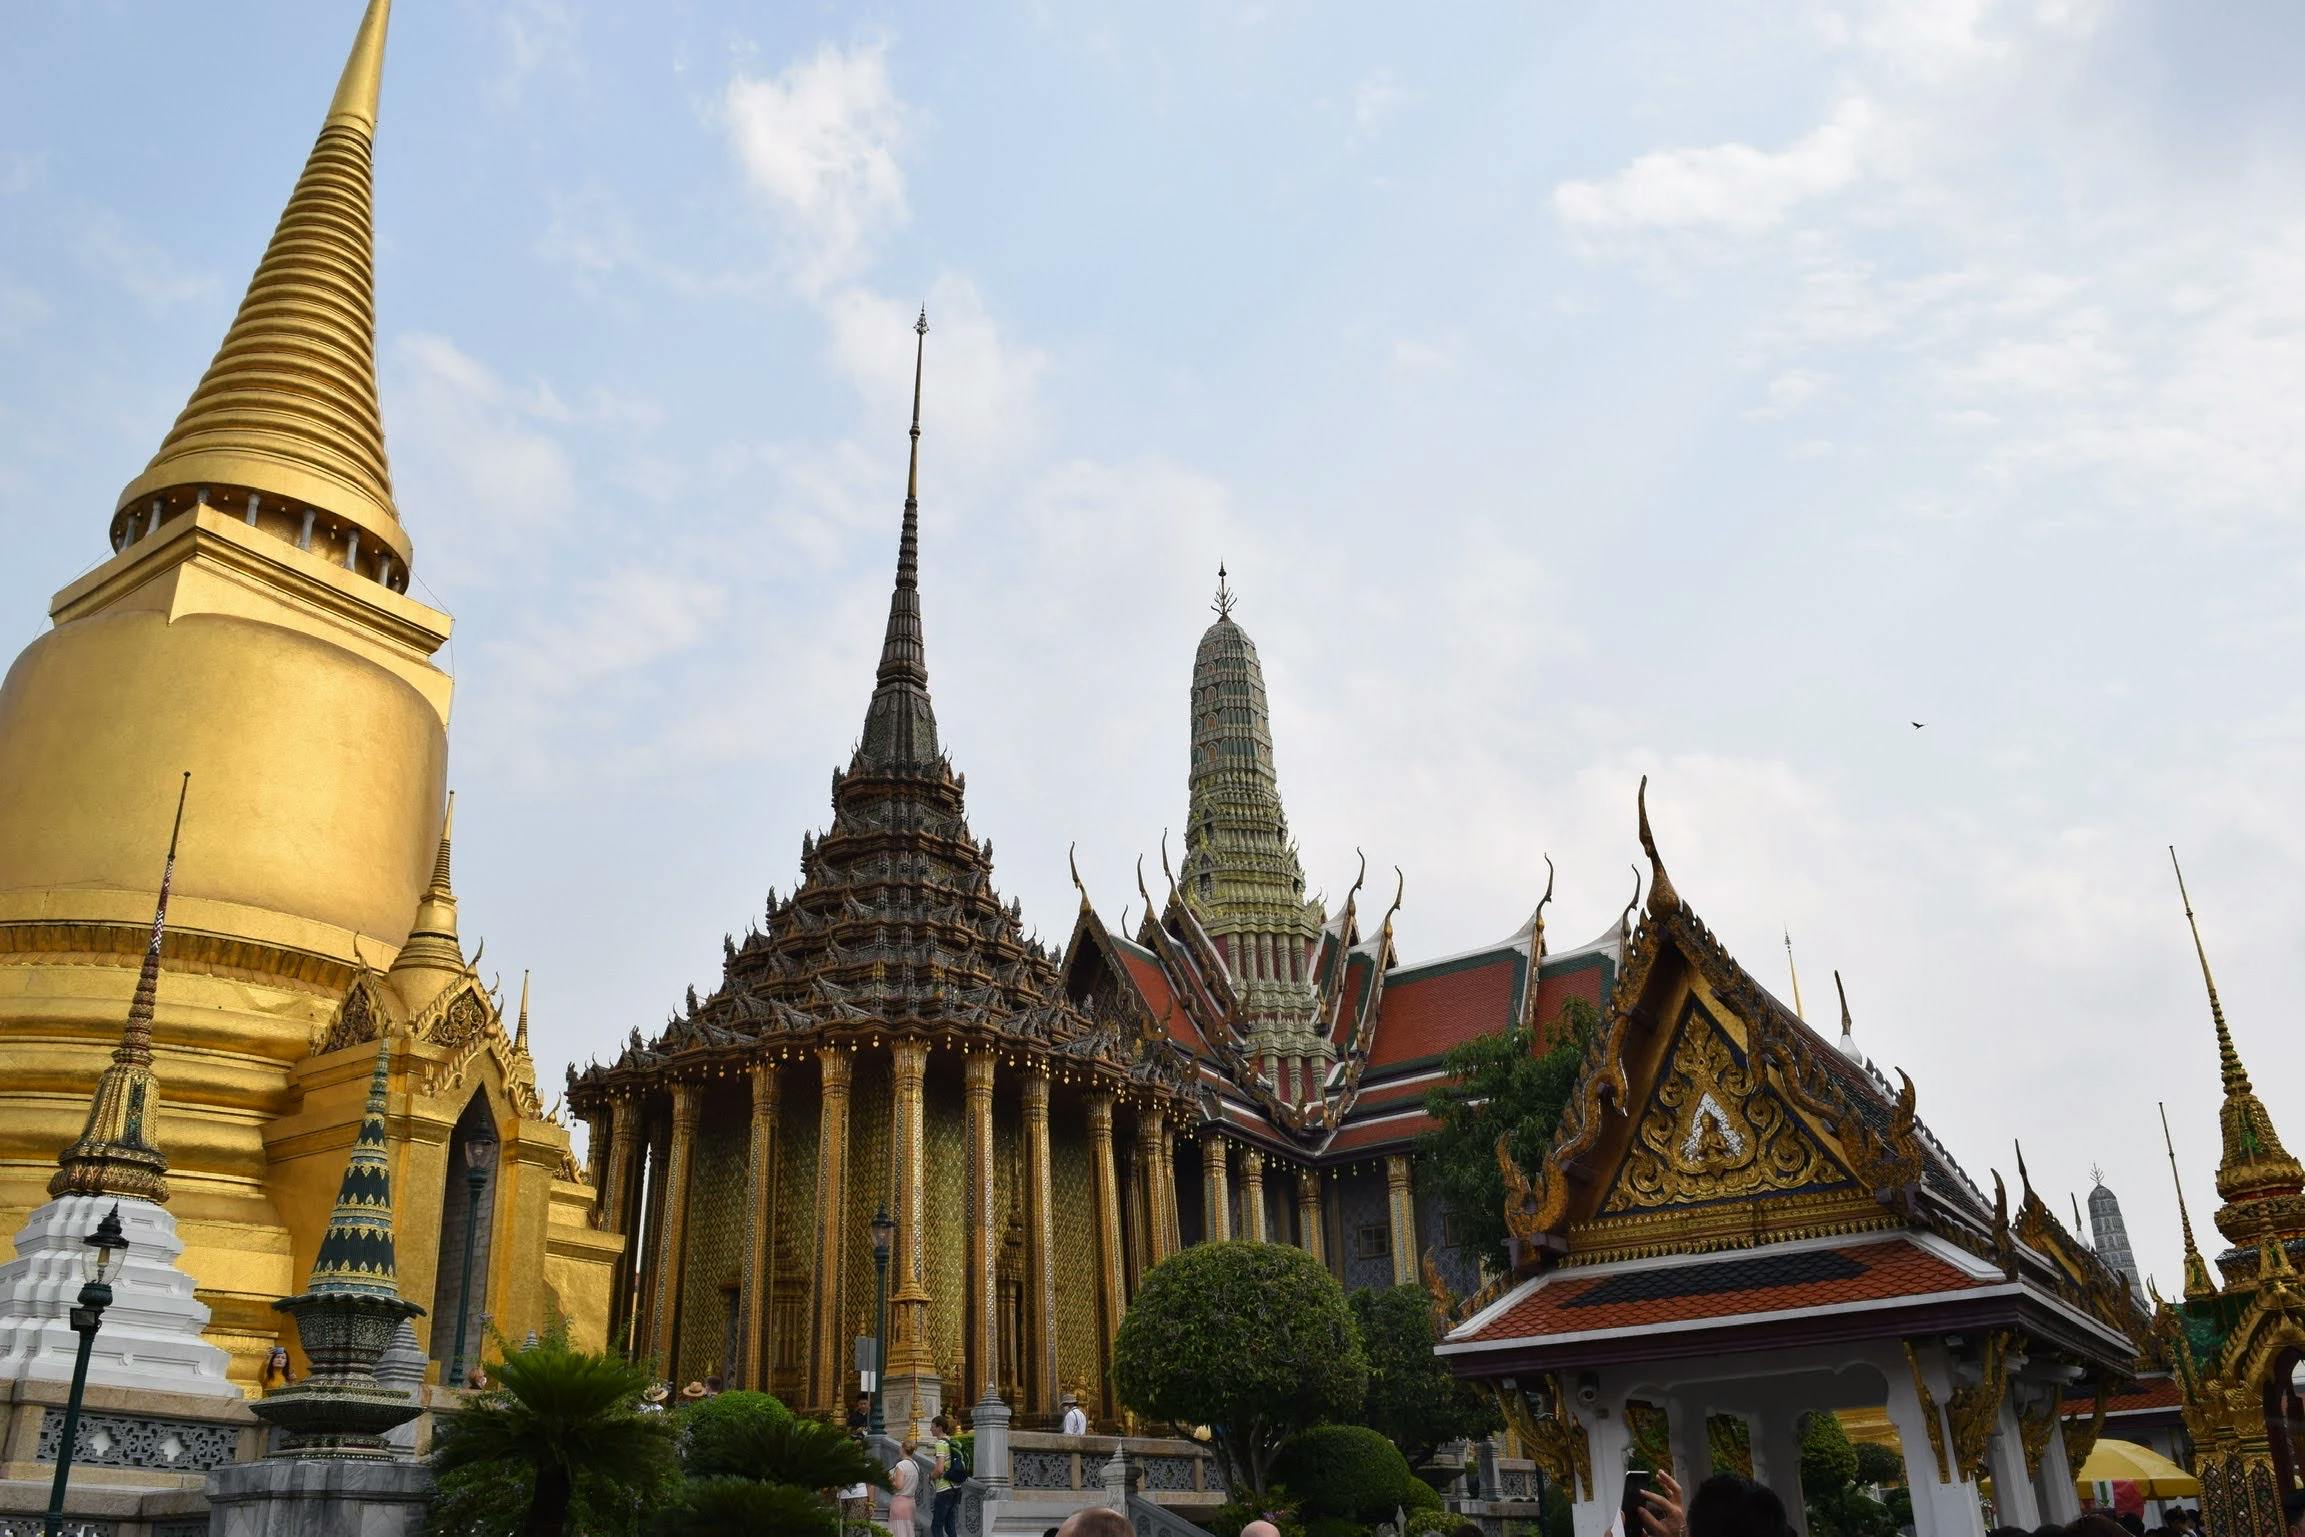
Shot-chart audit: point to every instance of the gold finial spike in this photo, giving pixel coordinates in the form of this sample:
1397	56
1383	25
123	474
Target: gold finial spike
1072	862
363	78
440	881
919	357
117	1153
2197	1281
288	408
1662	896
520	1035
2079	1231
2228	1060
1798	1011
1225	598
1848	1025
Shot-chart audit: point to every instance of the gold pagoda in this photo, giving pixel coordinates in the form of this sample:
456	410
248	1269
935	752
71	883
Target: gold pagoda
252	626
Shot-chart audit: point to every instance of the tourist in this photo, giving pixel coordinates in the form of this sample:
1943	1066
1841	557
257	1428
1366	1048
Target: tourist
949	1475
2132	1523
277	1372
652	1398
2091	1524
860	1414
1075	1422
692	1394
1725	1505
1267	1529
476	1379
1104	1521
902	1480
712	1387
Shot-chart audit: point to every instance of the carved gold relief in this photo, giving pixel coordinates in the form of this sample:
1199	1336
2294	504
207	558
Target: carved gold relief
1930	1419
2081	1435
1714	1131
1975	1407
1553	1438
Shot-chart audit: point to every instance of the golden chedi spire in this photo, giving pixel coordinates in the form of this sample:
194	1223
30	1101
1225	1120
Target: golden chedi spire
433	956
117	1153
285	427
2198	1281
2259	1181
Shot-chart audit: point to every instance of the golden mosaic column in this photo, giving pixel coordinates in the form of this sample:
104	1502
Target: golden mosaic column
828	1361
908	1352
1040	1245
616	1207
1216	1191
649	1220
1151	1156
1401	1201
983	1288
1309	1214
760	1248
1253	1196
664	1327
1172	1223
1105	1179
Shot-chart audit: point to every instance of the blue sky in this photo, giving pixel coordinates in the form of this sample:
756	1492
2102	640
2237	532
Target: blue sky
1575	391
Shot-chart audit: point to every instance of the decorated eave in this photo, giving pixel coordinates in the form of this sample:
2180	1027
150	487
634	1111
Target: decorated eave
1721	1170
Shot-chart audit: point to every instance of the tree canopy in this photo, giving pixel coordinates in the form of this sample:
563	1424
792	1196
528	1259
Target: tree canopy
1253	1340
1499	1085
1414	1400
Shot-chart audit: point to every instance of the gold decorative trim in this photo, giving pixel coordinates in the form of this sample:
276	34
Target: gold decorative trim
1974	1410
1929	1417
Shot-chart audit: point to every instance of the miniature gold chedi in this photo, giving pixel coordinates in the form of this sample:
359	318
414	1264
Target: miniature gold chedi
251	626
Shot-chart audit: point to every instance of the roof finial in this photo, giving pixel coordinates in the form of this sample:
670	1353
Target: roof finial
1537	920
520	1035
117	1152
2229	1060
1662	896
1225	599
2197	1280
900	723
1798	1012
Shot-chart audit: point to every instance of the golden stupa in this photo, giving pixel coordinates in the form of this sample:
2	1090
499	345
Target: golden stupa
252	626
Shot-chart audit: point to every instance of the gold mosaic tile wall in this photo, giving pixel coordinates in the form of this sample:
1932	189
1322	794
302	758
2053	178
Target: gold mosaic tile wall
944	1210
1079	1358
715	1233
870	1116
795	1293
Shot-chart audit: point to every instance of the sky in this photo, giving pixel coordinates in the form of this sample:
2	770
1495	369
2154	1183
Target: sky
1574	391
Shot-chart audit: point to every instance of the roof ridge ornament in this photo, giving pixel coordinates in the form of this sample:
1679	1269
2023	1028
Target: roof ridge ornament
1225	596
2197	1279
1661	893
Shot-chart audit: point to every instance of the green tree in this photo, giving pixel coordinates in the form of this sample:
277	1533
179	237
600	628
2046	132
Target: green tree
1349	1471
1499	1085
1414	1400
558	1429
1829	1463
1876	1464
1253	1340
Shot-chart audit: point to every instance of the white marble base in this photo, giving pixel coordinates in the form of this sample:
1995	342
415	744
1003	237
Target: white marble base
150	1337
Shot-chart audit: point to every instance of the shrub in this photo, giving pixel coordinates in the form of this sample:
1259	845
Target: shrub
1432	1523
722	1434
1253	1340
1335	1526
715	1507
1348	1470
1413	1398
1422	1496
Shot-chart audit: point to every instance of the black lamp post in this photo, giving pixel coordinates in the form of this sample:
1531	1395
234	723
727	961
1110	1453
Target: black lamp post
883	1235
479	1156
104	1248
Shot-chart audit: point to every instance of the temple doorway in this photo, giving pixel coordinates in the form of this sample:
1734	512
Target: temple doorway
460	1310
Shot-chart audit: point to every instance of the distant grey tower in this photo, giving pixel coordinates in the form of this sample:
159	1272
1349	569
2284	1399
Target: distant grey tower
2111	1234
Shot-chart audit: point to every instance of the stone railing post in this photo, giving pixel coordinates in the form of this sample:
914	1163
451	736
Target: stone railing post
1119	1477
992	1458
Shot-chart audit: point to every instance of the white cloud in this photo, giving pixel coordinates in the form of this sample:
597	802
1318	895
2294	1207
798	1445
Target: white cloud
1375	99
21	308
540	37
1731	188
819	143
980	391
150	273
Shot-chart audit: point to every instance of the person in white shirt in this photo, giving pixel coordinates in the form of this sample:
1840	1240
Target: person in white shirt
1075	1422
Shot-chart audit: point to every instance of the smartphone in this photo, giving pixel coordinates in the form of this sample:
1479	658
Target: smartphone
1637	1483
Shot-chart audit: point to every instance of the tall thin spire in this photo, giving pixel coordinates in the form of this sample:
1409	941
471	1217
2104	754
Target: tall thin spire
433	954
2198	1282
288	410
900	723
117	1153
520	1034
1795	971
2253	1163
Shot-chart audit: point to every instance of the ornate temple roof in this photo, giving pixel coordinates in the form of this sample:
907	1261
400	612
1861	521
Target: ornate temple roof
896	923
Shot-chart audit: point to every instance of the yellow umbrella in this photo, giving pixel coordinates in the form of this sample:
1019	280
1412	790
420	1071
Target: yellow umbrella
2125	1462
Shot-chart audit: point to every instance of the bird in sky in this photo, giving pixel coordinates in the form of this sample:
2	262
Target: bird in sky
1917	725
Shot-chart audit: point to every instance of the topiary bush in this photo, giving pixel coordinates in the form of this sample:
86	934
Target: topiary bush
1349	1471
1335	1526
722	1434
1432	1523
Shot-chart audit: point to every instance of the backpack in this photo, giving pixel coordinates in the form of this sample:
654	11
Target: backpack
957	1467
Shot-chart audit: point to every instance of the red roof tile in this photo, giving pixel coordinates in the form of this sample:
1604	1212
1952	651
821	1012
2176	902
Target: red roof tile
2153	1394
1153	983
1555	991
1571	1304
1426	1013
1360	1136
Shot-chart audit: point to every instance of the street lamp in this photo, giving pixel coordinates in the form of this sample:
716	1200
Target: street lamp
479	1156
104	1248
883	1236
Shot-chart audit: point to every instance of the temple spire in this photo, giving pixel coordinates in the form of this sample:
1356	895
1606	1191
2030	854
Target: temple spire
117	1153
356	1252
1795	971
900	723
286	421
520	1033
2198	1282
2228	1060
1225	599
433	955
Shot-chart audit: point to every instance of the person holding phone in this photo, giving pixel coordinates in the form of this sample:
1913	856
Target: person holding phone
1652	1505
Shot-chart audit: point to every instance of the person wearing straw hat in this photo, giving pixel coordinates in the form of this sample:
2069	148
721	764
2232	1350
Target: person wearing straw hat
1075	1421
695	1392
652	1398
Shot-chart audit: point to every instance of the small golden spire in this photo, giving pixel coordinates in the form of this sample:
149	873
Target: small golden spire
117	1153
433	955
2228	1060
288	410
2197	1279
1798	1011
520	1035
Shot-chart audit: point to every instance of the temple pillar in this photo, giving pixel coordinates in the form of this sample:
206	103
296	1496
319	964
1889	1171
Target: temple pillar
1172	1220
1775	1436
1253	1196
664	1325
1040	1246
1944	1498
2053	1481
651	1222
1152	1156
1401	1205
914	1392
1309	1214
617	1208
1105	1178
1216	1191
1690	1441
983	1288
829	1355
2013	1498
760	1238
1593	1512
